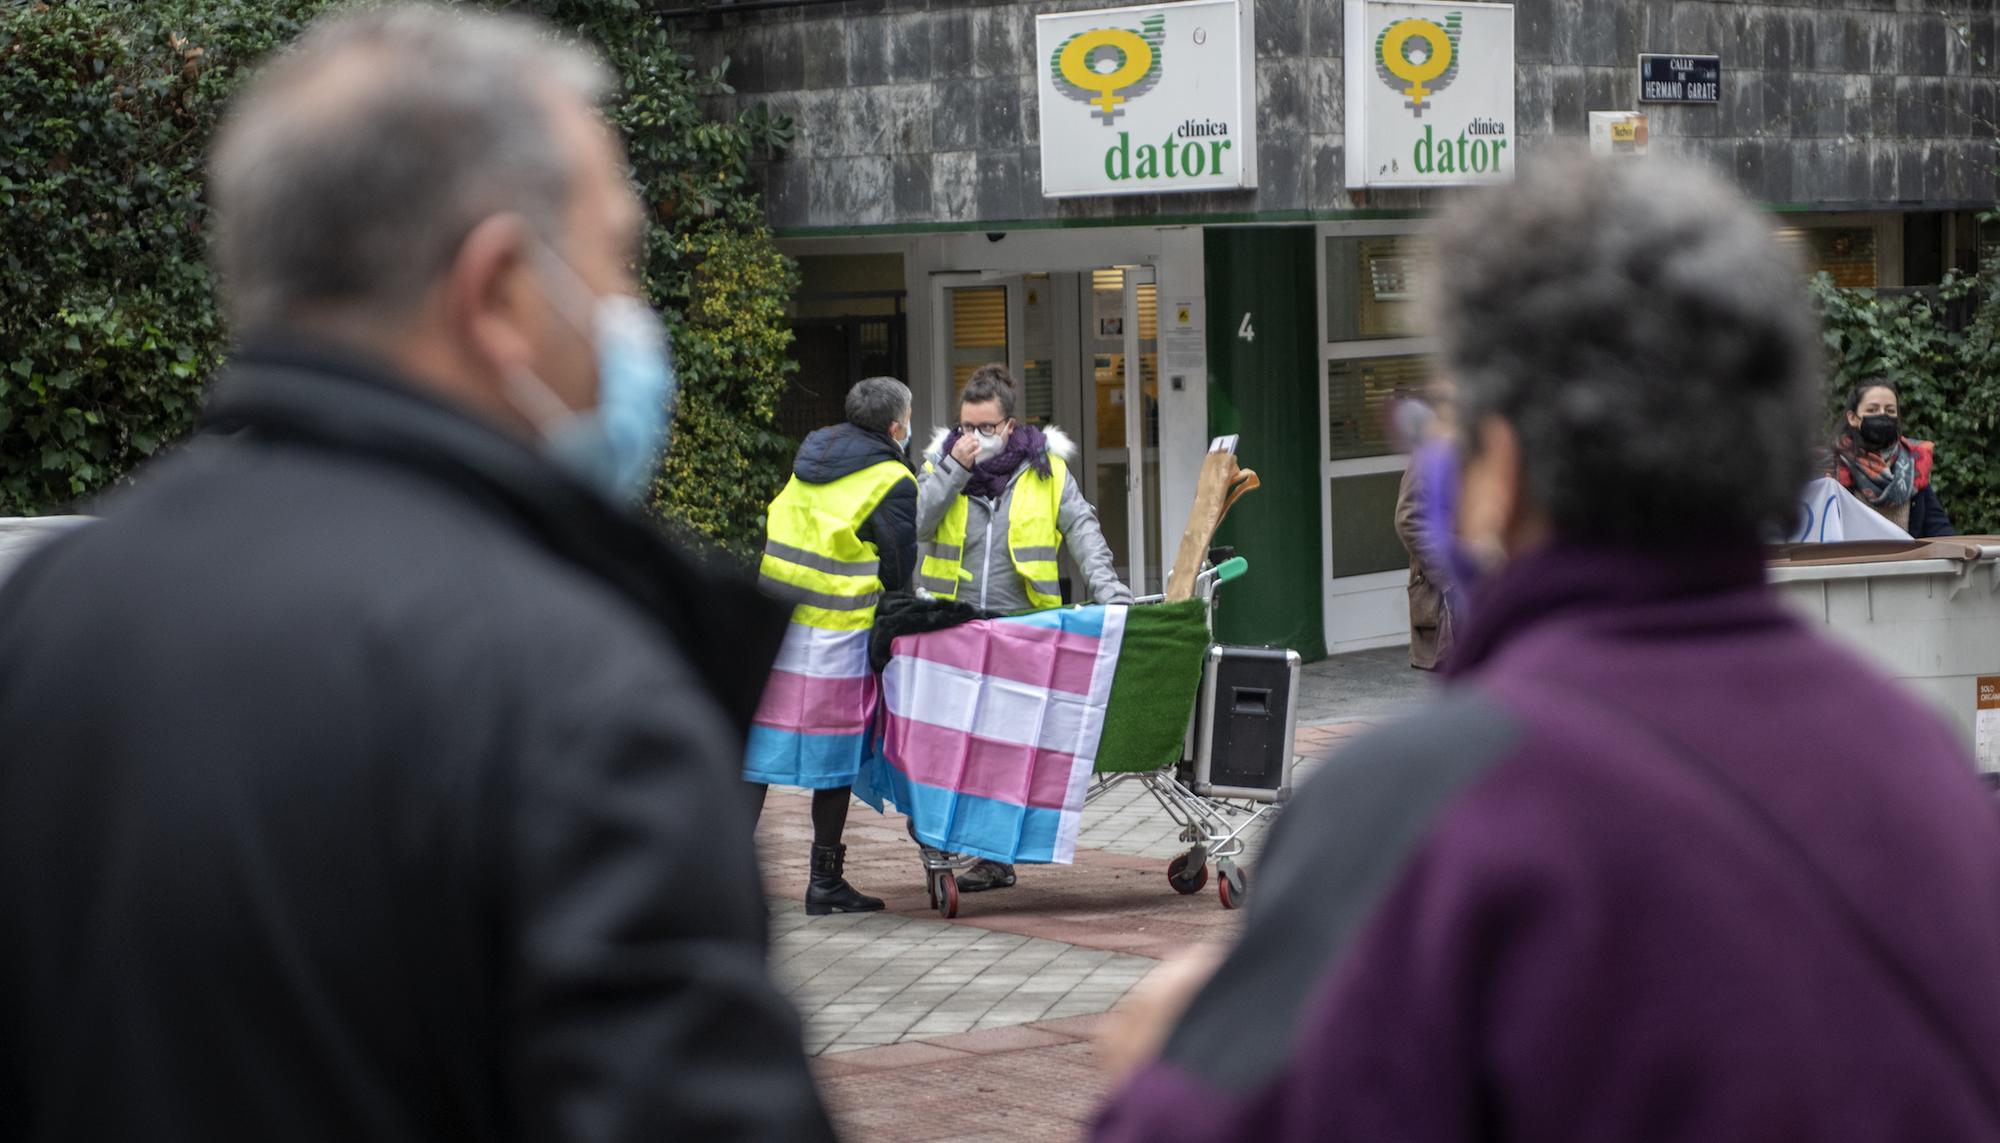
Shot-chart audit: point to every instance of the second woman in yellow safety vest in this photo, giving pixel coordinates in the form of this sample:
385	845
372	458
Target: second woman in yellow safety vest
996	503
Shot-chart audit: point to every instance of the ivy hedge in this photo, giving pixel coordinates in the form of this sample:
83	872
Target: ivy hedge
109	322
1941	350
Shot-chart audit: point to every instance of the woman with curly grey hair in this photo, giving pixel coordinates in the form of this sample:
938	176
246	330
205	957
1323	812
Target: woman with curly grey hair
1645	870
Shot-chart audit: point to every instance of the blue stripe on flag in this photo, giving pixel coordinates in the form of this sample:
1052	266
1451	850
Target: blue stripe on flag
962	823
1087	620
815	761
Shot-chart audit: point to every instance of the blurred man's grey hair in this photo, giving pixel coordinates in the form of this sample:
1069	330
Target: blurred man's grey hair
353	166
878	402
1640	328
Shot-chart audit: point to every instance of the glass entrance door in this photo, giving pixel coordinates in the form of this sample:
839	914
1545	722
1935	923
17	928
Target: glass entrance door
1071	340
1121	430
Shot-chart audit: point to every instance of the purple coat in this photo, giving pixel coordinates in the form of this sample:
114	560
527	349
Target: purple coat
1662	865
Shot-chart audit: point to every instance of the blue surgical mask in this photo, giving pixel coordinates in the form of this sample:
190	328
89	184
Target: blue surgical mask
615	447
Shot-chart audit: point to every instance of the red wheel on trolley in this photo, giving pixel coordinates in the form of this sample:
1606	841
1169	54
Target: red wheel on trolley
947	895
1230	884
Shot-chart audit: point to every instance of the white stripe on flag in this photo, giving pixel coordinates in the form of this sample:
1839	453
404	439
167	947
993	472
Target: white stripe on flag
985	706
1108	650
822	654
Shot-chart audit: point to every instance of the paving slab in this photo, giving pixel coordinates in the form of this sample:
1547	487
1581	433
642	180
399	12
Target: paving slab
868	980
1367	686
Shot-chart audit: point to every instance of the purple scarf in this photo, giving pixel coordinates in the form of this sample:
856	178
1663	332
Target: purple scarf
990	477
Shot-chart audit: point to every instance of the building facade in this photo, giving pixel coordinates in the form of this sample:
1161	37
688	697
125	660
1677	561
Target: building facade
1207	216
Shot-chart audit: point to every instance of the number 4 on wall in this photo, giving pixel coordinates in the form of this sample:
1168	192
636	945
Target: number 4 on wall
1246	331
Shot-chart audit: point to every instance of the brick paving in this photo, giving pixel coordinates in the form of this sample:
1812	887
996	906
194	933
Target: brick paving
1038	1094
979	1027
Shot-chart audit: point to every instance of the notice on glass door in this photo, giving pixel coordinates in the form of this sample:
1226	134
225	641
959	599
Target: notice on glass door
1183	345
1107	313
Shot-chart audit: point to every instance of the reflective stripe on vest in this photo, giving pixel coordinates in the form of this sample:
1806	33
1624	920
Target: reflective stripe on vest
1033	539
814	557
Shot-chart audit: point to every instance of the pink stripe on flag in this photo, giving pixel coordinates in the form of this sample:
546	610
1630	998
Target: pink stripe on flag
808	705
1038	656
1003	771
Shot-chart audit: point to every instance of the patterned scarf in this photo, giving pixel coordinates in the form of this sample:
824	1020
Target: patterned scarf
990	476
1886	479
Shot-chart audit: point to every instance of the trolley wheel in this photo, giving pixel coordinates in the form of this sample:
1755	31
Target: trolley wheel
1186	874
944	894
1230	884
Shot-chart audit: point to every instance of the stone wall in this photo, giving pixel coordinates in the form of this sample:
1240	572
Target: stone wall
922	112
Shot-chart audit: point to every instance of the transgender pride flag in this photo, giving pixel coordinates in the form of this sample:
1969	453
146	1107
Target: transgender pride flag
811	727
991	729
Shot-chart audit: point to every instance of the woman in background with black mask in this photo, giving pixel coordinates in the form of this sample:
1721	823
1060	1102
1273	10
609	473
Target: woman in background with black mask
1888	471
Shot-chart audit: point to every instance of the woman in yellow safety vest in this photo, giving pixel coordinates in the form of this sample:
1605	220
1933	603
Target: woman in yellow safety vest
995	505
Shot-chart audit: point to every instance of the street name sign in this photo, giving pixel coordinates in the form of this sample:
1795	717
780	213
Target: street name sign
1680	79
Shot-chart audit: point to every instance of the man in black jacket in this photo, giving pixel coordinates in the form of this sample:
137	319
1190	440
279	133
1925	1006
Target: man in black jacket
370	769
841	533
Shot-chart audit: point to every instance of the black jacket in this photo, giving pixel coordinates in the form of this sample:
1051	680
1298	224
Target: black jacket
845	449
1927	518
357	783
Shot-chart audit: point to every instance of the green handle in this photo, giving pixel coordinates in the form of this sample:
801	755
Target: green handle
1232	568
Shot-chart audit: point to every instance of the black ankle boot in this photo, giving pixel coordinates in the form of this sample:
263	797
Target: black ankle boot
829	892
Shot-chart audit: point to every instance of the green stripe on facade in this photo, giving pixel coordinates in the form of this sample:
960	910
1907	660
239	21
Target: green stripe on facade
1240	218
1266	390
1247	218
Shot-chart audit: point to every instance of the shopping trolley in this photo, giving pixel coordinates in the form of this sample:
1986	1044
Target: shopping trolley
1235	768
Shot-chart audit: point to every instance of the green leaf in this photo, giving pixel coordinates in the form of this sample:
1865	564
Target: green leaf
102	139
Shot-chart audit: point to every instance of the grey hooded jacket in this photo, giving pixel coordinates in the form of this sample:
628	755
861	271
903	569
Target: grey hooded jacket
995	586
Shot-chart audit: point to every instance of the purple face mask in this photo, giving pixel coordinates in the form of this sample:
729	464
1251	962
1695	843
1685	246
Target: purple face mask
1437	484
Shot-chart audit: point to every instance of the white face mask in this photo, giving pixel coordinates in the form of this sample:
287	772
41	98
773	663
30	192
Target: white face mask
989	447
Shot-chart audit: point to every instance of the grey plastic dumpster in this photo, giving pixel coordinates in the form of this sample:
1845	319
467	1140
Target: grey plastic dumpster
20	533
1925	611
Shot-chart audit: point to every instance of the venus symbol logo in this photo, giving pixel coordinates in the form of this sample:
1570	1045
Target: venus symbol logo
1107	67
1418	58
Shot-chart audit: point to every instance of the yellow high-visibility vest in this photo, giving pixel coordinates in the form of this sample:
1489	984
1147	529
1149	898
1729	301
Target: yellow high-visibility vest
1033	539
813	546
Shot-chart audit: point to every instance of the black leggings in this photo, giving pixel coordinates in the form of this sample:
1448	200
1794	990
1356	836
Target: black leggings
829	811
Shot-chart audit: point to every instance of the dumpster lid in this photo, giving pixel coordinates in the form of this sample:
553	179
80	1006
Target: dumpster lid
19	533
1965	549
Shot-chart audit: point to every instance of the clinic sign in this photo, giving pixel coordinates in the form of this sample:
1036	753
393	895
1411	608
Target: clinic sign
1148	100
1430	93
